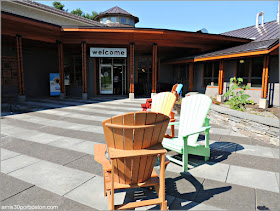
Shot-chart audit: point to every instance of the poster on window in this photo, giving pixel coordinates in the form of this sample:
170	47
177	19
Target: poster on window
54	84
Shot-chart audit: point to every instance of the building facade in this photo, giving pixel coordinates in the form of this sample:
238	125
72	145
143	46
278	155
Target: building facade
110	56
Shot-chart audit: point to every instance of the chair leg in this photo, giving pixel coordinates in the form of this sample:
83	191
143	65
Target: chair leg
172	131
163	206
104	183
185	156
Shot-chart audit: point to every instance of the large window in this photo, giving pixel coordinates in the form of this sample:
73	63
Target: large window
256	74
123	20
131	22
243	66
113	19
73	69
211	74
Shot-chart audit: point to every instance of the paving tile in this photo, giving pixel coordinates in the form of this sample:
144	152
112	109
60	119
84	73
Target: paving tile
23	124
267	200
182	185
264	180
248	161
12	143
43	138
236	133
275	152
11	186
223	146
87	164
244	140
51	130
226	196
16	163
85	147
36	196
65	142
91	194
277	177
255	150
183	204
149	195
55	178
7	154
220	131
88	136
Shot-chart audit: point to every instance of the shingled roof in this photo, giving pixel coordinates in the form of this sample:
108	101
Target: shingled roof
58	12
249	47
116	11
270	30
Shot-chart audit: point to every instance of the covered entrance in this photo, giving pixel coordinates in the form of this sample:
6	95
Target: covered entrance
112	76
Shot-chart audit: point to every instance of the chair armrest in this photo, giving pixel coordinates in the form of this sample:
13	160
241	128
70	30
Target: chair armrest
173	123
198	131
120	153
99	156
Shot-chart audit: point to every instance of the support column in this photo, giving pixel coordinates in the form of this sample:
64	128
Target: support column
21	96
84	70
131	70
61	68
154	69
264	101
220	97
190	77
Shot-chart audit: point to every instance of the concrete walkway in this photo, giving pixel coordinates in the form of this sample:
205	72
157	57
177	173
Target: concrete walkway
47	160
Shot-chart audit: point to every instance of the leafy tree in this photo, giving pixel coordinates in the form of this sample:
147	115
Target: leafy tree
90	16
78	12
58	5
237	99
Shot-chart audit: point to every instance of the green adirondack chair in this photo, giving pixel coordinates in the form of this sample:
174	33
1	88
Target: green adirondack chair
194	110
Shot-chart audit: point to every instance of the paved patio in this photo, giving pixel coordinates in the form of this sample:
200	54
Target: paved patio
47	159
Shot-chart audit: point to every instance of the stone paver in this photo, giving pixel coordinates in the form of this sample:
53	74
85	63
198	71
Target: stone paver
183	204
255	150
55	178
267	200
253	178
18	162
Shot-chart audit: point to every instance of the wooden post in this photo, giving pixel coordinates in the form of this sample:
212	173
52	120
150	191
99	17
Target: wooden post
265	77
84	66
221	78
20	64
61	65
127	75
131	69
158	69
235	68
154	69
212	76
190	77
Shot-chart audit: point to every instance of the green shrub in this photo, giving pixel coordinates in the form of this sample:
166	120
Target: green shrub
237	98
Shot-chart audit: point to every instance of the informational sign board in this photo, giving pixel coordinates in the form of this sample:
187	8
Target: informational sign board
54	84
108	52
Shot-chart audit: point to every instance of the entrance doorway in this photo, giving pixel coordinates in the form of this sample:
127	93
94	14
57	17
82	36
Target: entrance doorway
112	76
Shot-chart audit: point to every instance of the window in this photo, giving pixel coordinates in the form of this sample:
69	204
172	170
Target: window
256	72
104	20
123	20
73	69
113	19
131	22
211	74
243	70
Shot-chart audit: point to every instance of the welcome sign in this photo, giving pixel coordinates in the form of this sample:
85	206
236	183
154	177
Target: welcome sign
108	52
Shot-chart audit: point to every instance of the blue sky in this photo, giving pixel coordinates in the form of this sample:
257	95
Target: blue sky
215	16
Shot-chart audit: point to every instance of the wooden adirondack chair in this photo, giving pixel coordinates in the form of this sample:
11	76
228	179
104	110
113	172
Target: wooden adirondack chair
134	143
194	110
148	103
164	103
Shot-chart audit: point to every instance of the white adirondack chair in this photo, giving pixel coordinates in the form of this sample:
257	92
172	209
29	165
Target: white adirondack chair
194	110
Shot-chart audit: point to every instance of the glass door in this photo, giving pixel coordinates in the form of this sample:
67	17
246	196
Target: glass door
106	79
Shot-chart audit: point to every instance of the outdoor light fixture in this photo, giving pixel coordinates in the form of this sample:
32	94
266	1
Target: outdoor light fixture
143	70
241	61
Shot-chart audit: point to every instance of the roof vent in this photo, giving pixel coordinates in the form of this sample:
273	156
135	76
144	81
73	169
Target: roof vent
257	19
203	30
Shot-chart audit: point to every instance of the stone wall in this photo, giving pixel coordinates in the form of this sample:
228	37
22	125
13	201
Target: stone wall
258	127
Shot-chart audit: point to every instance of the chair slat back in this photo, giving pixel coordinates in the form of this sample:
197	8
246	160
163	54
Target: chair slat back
194	110
136	169
163	103
173	90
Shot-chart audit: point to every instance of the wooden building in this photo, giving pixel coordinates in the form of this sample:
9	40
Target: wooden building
112	56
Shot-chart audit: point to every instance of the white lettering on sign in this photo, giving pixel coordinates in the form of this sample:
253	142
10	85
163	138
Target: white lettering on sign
108	52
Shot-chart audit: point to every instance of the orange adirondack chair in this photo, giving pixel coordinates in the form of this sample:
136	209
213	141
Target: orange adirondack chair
148	103
134	143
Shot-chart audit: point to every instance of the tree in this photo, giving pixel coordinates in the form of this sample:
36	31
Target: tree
93	14
78	12
58	5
